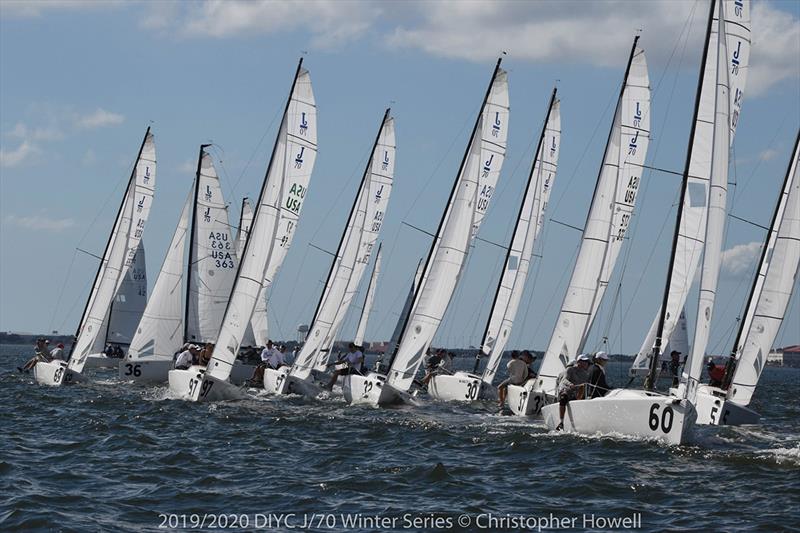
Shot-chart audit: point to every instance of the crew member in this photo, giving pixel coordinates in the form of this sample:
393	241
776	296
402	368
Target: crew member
571	385
598	386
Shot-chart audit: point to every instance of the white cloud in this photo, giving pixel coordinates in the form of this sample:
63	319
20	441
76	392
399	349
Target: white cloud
740	259
48	133
16	156
776	48
188	167
40	222
98	119
331	23
767	154
36	8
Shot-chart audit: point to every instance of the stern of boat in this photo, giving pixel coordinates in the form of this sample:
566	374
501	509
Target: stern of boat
458	387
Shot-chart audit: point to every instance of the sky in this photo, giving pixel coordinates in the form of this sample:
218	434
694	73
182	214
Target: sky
80	81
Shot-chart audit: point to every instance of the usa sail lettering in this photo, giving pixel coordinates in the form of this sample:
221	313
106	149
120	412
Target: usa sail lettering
219	244
630	192
637	117
496	125
485	196
377	221
295	199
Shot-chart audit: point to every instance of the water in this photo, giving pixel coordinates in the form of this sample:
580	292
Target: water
107	456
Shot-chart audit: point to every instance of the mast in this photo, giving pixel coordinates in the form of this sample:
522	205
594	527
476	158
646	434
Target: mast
651	378
191	242
447	209
108	243
350	216
539	147
749	308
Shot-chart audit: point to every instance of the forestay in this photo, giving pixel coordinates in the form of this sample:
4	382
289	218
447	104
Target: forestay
160	331
469	199
212	256
529	223
259	319
354	251
369	298
772	290
281	198
607	222
120	251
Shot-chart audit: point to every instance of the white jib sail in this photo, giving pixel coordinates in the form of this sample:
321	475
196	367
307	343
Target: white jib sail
120	251
160	331
777	276
465	210
696	201
212	256
609	215
369	299
259	320
717	207
282	193
355	249
130	301
528	226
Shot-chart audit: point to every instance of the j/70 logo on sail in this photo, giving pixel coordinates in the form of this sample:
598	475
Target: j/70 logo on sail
303	124
487	166
146	175
496	125
735	59
298	160
637	116
633	144
385	162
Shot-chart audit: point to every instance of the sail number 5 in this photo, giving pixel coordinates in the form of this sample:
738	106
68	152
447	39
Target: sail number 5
664	421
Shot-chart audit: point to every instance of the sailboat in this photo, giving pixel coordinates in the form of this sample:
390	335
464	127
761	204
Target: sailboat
352	256
766	306
610	212
646	413
468	386
125	313
170	320
282	193
118	256
469	198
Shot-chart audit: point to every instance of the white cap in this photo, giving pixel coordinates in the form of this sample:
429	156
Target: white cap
601	355
583	357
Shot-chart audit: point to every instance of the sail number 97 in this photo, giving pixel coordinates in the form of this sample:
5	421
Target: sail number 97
664	421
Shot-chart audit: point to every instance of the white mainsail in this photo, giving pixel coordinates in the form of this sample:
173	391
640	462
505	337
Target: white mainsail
276	215
354	251
212	256
717	211
607	222
467	204
529	224
130	301
772	289
361	330
120	251
160	331
705	151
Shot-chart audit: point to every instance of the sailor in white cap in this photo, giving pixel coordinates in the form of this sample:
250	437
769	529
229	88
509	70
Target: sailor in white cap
572	385
186	357
598	386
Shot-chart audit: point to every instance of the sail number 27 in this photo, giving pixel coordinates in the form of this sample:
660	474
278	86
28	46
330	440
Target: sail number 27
664	421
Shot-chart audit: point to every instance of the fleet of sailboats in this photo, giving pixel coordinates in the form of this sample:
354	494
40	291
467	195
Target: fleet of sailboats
213	285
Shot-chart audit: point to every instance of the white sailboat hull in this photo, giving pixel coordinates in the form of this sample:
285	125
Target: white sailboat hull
100	360
458	387
371	389
275	381
715	410
145	370
632	413
522	400
55	373
196	385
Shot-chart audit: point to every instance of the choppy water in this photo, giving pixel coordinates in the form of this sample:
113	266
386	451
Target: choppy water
108	456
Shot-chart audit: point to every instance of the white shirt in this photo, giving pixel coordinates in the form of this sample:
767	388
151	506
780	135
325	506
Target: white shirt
184	359
273	357
57	353
355	359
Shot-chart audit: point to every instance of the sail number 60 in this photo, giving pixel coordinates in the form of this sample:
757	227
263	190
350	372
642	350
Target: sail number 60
664	421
